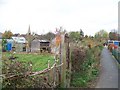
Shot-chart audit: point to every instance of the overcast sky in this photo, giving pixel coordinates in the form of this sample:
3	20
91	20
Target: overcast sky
47	15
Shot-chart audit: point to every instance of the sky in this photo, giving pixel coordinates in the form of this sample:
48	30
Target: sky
46	15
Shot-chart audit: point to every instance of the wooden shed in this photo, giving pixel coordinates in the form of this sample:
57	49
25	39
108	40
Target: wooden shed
40	45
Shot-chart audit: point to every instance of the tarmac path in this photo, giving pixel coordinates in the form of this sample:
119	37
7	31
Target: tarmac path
108	71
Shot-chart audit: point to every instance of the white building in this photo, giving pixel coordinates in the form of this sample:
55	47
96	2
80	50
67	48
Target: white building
19	39
19	43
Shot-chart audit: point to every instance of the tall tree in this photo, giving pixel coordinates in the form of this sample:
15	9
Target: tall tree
50	36
47	36
7	34
113	35
101	34
74	36
81	33
86	36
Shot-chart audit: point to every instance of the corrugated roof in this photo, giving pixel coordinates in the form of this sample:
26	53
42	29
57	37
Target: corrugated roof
43	41
19	39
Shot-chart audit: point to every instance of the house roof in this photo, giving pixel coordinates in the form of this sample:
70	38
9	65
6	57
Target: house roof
19	39
41	40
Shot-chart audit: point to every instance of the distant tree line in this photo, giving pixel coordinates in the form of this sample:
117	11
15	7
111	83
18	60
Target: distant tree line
7	34
113	35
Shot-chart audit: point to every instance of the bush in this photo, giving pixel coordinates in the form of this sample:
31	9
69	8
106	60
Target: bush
87	68
77	58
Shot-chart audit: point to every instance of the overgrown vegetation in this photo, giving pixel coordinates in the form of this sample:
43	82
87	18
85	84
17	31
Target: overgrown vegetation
87	66
22	79
4	41
21	67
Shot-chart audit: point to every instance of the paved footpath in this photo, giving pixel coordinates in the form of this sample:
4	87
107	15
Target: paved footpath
109	71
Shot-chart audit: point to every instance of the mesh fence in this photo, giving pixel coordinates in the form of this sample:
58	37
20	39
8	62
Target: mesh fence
116	54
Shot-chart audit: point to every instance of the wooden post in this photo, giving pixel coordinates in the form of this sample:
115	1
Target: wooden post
67	50
67	61
48	63
60	63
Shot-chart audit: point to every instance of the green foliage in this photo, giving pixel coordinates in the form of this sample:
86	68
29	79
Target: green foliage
74	36
7	34
86	36
48	36
113	36
89	68
4	42
95	72
101	34
79	80
81	33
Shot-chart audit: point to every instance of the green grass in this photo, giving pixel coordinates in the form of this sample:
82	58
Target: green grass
39	62
82	79
79	80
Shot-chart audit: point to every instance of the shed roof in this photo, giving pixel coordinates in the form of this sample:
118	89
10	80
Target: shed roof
19	39
41	40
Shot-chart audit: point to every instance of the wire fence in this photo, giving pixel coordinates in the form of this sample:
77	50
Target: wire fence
116	54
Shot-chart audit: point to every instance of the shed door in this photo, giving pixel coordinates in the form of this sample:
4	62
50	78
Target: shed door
9	46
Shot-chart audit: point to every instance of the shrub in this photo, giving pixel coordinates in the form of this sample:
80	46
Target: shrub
77	58
88	67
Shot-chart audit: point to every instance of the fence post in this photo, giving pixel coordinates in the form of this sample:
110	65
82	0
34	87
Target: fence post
60	63
54	73
62	59
67	48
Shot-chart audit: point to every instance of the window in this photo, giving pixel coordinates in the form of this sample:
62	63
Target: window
21	39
